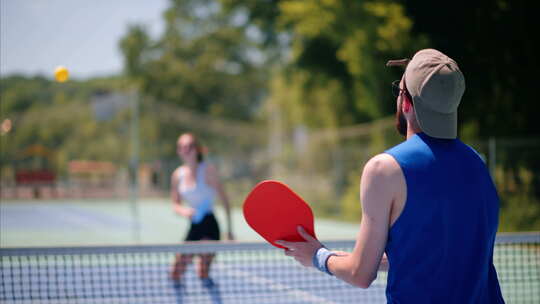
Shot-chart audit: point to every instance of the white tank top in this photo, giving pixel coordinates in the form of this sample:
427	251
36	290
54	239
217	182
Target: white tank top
201	196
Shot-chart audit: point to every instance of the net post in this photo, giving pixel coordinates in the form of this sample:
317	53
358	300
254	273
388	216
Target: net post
134	164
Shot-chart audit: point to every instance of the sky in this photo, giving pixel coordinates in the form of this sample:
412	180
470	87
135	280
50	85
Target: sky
36	36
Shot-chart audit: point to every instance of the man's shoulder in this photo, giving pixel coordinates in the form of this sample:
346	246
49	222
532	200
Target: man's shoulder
382	159
383	165
382	183
472	152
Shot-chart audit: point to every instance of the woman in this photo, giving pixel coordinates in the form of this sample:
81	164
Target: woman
196	182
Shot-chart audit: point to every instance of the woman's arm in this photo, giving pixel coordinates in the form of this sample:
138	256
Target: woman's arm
214	181
176	198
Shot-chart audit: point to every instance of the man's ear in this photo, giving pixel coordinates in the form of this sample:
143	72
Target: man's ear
407	104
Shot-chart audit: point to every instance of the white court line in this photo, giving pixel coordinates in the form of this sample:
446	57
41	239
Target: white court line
275	286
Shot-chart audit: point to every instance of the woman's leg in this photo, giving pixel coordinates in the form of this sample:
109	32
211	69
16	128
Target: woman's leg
205	260
180	264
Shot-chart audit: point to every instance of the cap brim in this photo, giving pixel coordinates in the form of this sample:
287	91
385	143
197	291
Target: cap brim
435	124
398	62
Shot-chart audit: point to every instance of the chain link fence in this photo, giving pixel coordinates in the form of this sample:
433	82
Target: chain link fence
323	166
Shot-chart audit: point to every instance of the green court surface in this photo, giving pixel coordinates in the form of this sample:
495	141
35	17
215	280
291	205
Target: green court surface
110	222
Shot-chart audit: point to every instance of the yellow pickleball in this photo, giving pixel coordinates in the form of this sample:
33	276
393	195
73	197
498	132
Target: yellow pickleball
61	74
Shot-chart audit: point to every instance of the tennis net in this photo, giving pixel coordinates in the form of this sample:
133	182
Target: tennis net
241	272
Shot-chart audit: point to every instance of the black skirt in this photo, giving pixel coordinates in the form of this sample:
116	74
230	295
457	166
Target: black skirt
207	229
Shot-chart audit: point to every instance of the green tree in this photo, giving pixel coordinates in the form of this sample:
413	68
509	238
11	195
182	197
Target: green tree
60	118
336	56
133	46
202	62
496	48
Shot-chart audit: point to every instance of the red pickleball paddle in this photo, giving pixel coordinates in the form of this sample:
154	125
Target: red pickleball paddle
274	211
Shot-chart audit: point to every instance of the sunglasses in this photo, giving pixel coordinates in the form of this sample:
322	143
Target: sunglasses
396	90
187	147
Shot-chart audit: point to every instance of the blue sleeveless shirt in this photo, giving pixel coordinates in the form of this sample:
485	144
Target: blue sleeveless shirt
201	196
440	249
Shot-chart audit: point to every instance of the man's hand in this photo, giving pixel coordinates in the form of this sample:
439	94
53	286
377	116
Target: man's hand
302	251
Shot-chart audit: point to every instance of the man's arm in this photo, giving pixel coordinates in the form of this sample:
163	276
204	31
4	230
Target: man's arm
377	192
381	180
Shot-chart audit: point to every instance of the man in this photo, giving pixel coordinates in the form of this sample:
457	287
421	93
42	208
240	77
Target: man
428	203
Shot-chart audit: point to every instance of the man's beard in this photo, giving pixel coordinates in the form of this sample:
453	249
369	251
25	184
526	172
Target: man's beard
401	122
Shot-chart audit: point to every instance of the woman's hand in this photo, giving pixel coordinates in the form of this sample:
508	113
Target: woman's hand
187	212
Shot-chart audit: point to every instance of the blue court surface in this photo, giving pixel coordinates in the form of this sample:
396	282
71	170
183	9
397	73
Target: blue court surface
241	273
249	287
85	252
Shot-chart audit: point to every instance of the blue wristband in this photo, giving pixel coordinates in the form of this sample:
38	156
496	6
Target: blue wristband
320	259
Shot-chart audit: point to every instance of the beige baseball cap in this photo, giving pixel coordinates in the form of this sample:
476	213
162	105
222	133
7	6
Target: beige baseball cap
436	86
